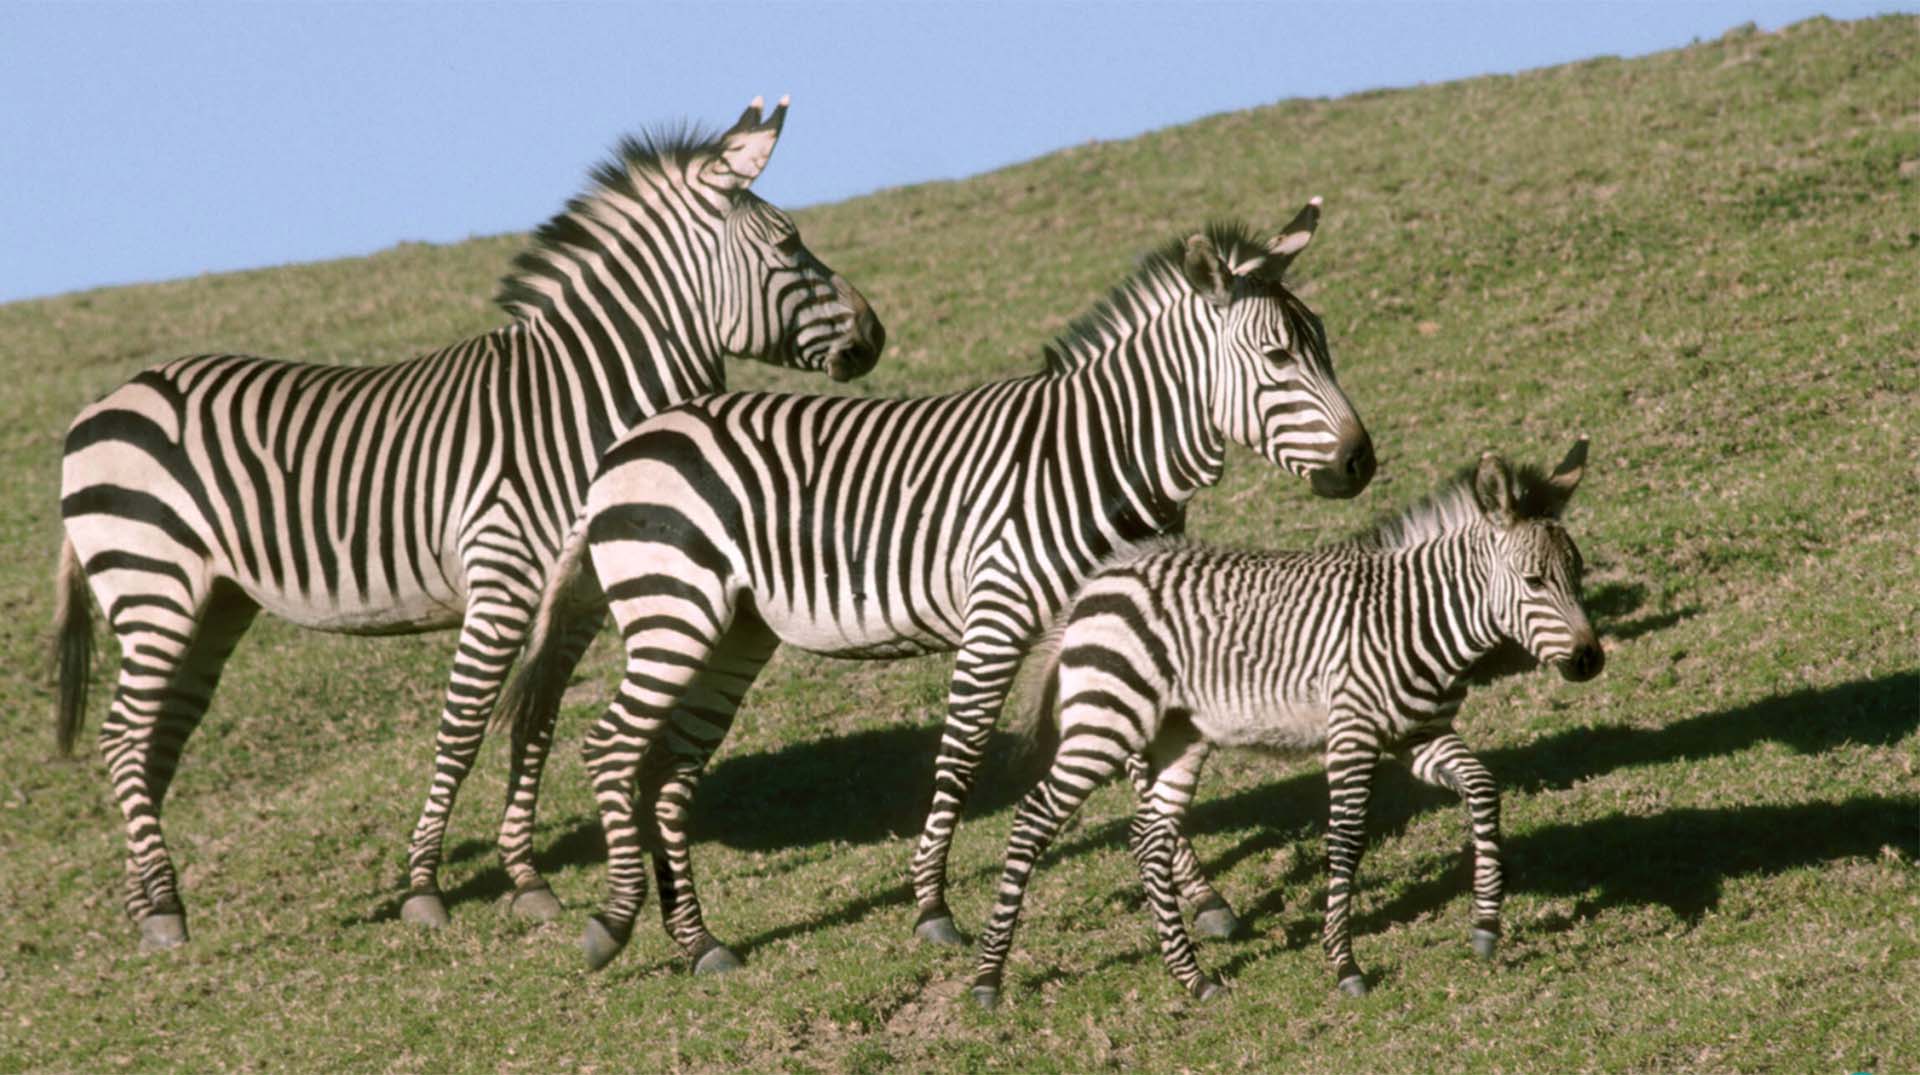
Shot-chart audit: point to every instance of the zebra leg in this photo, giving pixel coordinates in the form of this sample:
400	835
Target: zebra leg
1351	757
1445	761
1176	756
1212	915
1081	764
532	898
699	724
170	666
982	674
664	657
490	636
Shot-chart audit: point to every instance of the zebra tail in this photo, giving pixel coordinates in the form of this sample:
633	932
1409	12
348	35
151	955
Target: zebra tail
532	697
1036	694
72	646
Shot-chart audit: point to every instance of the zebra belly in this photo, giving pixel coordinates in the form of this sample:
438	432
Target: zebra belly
388	615
865	638
885	651
1279	725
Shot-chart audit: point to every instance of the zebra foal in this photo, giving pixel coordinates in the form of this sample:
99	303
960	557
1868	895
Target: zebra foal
1359	648
882	528
426	494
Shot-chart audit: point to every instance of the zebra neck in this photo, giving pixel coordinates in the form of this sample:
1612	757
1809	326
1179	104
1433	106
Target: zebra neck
616	291
616	362
1459	562
1151	406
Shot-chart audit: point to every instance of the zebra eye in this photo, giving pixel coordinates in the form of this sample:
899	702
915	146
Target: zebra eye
1534	582
1280	356
790	245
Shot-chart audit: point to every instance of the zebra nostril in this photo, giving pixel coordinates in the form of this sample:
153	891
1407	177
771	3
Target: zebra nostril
1349	468
852	360
1360	460
1355	461
1585	663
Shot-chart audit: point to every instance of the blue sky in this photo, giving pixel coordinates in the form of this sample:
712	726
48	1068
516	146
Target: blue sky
156	141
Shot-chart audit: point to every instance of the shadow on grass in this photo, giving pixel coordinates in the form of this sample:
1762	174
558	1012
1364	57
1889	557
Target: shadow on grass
1676	858
1608	607
1679	858
577	844
867	787
861	788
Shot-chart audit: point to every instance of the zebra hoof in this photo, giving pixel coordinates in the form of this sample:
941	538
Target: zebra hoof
1215	919
940	931
987	996
159	932
424	909
716	960
601	942
538	904
1208	989
1354	985
1485	942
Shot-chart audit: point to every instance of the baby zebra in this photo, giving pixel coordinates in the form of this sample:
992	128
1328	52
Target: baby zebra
1360	648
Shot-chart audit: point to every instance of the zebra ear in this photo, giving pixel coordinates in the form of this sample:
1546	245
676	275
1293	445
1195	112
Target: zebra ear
745	148
1493	489
1292	239
1566	477
1207	271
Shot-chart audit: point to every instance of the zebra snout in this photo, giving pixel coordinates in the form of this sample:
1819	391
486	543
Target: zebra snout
860	349
1358	462
1584	663
1351	467
851	360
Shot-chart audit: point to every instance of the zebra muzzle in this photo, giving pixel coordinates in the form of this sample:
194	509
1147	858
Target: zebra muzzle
850	361
1351	468
1584	663
860	350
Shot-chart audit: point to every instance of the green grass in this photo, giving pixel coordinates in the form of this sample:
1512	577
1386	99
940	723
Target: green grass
1708	260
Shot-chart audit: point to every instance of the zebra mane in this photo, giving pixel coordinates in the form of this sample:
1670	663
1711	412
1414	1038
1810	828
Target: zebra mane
565	239
1141	294
1452	507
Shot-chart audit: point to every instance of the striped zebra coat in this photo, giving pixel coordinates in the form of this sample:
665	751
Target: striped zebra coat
883	528
1357	649
422	495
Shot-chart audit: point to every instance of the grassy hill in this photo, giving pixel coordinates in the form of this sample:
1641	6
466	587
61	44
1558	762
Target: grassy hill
1708	260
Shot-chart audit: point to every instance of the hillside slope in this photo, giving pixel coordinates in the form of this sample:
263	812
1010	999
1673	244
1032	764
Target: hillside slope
1705	259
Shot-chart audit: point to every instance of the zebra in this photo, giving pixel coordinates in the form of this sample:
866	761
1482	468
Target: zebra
881	528
427	494
1357	648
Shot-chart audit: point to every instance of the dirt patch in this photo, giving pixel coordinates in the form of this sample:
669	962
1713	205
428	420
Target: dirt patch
931	1011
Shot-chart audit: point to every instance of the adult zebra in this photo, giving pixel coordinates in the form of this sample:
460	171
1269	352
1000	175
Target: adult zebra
1362	648
425	494
885	528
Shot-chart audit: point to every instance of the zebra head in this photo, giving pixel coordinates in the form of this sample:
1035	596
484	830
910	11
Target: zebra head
773	300
1274	390
1533	589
